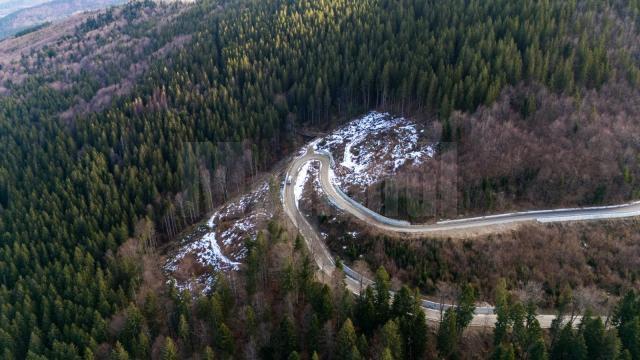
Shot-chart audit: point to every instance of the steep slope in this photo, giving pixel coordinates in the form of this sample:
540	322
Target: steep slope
90	59
48	12
10	6
86	196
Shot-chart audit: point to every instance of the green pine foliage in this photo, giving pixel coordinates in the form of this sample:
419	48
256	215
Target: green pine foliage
72	191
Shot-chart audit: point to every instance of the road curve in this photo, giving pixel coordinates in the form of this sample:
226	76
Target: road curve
354	281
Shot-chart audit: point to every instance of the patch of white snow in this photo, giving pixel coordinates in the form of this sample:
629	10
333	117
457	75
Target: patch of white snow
301	180
373	147
225	229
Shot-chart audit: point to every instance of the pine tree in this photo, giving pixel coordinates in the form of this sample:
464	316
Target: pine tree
414	331
504	352
365	311
601	344
626	319
629	333
382	295
208	353
569	345
391	340
502	311
285	339
535	346
183	330
403	302
119	353
151	312
448	334
142	346
346	341
312	337
225	340
88	354
323	304
465	309
363	345
169	350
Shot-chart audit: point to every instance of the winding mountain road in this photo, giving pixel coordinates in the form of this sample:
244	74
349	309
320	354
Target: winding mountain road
484	316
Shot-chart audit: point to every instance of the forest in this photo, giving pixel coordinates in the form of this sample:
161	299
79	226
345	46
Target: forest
75	186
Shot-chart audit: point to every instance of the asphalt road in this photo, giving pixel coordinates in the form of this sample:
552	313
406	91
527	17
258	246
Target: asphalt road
354	281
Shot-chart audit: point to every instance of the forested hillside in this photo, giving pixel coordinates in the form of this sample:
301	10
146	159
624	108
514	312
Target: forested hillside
83	64
34	13
75	186
9	6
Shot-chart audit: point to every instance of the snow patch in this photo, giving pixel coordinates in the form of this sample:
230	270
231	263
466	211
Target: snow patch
301	180
218	245
373	147
207	251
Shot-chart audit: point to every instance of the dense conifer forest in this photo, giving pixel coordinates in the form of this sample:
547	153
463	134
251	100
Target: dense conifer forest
74	189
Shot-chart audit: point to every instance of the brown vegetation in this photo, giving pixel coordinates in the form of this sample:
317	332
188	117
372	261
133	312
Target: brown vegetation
104	49
535	149
532	149
598	260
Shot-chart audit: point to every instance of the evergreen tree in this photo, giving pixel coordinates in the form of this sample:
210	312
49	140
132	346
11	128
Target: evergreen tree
626	319
569	345
391	339
386	354
534	347
225	340
448	334
169	351
346	342
382	296
502	311
601	343
208	353
285	338
504	352
466	307
119	353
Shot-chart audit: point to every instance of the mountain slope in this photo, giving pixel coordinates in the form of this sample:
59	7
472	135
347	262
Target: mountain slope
54	10
90	59
86	196
9	6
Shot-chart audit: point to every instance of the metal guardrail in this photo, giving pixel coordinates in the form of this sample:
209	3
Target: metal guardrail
428	304
373	214
326	153
539	215
318	248
359	206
